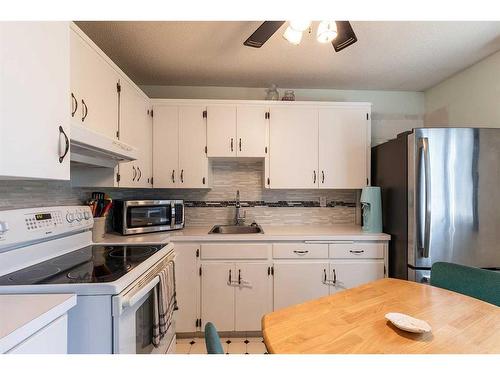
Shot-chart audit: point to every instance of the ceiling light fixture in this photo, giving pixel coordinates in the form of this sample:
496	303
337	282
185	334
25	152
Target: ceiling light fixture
300	25
327	31
292	35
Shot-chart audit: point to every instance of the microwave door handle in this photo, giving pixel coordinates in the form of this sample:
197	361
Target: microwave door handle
132	300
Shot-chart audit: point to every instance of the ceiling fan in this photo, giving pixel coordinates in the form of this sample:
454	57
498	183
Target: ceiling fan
339	33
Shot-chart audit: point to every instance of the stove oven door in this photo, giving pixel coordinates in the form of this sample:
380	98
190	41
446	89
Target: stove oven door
133	322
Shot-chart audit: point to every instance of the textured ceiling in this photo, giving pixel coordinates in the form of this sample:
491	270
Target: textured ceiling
388	55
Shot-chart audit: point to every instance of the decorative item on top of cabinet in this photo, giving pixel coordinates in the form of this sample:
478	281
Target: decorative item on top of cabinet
35	99
179	147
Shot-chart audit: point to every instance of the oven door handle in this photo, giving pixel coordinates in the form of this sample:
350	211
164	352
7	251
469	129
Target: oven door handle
132	300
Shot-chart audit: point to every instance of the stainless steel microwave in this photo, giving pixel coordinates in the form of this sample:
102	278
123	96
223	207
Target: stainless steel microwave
145	216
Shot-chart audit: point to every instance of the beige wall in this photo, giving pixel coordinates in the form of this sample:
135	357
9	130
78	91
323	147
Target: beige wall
393	111
469	98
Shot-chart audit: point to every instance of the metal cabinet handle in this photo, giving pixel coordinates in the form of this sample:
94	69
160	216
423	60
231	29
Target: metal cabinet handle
240	144
135	173
334	276
229	280
314	177
322	177
140	173
173	176
356	251
301	252
239	277
324	276
66	144
74	105
232	144
182	175
85	110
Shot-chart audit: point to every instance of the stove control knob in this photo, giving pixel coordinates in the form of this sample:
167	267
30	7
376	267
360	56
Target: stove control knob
86	215
4	227
70	217
78	216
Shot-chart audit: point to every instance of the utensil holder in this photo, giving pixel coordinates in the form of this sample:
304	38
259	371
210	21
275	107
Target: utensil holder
99	228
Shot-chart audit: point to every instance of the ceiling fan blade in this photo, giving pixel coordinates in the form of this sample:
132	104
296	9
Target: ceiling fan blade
345	36
263	33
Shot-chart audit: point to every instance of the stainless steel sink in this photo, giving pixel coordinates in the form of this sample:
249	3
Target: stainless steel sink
236	229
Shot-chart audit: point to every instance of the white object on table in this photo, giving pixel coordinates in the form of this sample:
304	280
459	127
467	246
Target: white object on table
408	323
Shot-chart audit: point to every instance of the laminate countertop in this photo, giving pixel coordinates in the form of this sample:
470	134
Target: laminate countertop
271	233
21	315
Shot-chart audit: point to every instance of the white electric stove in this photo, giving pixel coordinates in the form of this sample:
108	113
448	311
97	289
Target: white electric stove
50	250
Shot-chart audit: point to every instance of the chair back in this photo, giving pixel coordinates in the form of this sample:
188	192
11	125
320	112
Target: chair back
212	340
473	282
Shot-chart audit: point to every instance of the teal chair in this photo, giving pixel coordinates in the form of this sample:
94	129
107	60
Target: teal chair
212	340
473	282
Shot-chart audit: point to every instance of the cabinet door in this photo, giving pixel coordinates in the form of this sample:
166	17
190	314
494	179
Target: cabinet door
221	131
217	295
94	85
135	130
187	283
343	148
34	99
297	282
166	147
293	148
193	162
253	295
251	131
348	274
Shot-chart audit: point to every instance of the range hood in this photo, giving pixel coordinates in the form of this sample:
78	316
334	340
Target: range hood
89	148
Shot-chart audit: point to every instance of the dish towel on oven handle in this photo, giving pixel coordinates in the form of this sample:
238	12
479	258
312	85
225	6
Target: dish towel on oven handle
164	298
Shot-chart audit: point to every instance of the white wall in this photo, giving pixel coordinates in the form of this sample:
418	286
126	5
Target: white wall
393	111
469	98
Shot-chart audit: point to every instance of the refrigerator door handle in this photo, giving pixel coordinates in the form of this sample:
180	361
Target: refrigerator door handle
424	145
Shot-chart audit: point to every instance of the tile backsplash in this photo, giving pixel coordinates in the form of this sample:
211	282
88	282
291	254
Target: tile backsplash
207	206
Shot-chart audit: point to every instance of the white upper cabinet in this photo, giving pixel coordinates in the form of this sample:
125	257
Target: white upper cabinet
93	88
193	162
343	147
166	147
136	129
293	148
179	141
221	131
252	130
237	130
34	100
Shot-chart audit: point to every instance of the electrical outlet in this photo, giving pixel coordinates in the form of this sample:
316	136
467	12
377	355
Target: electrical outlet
322	201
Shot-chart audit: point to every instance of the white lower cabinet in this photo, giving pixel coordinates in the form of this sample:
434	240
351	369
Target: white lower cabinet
233	284
51	339
217	295
187	283
297	282
253	295
345	274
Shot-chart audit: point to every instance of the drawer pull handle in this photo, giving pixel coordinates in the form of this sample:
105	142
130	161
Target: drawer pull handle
229	280
356	251
334	277
301	252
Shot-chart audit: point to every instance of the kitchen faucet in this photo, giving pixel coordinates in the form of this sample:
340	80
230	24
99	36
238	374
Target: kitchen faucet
238	219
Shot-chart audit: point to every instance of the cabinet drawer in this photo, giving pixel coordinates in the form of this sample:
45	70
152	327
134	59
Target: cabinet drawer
300	250
351	250
235	251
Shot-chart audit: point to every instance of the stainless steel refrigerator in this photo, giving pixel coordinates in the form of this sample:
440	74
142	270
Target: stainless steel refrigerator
440	198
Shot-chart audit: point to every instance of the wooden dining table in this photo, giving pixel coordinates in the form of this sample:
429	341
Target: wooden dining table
353	321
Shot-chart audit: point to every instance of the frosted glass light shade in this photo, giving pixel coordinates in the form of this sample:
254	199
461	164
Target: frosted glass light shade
327	31
292	35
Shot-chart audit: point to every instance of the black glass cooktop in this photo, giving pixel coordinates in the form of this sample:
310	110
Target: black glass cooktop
91	264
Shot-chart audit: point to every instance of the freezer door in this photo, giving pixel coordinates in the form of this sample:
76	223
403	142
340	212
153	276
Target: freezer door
454	197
